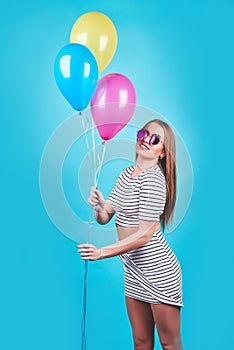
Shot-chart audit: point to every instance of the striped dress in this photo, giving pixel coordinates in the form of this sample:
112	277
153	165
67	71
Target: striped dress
152	272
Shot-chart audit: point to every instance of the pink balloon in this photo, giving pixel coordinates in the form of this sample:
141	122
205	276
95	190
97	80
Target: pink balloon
113	104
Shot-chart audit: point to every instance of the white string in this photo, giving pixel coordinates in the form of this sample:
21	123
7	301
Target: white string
85	125
96	173
84	120
99	168
94	154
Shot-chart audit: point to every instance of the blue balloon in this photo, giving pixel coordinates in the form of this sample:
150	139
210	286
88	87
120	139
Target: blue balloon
76	74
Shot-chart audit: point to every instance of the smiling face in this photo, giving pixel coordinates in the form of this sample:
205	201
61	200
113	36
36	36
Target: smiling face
143	147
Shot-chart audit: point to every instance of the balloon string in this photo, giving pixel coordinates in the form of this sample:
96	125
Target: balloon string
85	128
85	125
83	322
96	173
94	154
99	168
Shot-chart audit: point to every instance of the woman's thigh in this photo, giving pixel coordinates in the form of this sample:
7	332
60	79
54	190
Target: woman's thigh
167	321
142	321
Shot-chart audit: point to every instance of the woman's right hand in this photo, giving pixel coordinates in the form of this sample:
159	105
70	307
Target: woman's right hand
96	199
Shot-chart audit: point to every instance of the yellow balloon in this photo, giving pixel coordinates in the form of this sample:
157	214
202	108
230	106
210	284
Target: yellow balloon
96	31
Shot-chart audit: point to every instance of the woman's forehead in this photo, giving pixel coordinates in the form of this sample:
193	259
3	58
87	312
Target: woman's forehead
155	128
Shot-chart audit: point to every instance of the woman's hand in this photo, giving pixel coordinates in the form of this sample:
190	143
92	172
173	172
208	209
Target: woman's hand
89	252
96	199
103	209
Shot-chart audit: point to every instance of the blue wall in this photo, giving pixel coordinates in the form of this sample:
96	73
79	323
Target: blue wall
179	56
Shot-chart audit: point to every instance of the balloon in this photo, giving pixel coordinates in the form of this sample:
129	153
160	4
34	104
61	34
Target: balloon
112	104
76	74
96	31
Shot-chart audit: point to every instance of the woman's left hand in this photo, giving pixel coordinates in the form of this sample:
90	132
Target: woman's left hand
89	252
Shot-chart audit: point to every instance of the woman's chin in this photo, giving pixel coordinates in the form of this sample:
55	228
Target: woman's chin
144	154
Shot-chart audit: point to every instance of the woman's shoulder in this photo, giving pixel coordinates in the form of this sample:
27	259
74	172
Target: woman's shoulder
155	171
126	171
153	175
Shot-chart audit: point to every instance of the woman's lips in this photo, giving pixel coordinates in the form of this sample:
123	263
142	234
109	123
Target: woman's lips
143	145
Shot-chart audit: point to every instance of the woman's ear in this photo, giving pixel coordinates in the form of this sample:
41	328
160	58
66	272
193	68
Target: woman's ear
162	155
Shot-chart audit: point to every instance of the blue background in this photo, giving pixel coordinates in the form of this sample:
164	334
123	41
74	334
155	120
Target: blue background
179	56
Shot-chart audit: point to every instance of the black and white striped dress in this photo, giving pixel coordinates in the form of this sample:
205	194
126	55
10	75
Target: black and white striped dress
152	273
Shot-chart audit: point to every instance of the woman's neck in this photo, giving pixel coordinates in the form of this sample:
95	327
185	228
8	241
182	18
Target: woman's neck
144	164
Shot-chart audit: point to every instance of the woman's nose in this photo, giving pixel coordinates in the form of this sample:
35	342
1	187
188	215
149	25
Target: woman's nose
147	138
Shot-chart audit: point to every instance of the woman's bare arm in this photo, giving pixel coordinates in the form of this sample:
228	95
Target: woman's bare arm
135	240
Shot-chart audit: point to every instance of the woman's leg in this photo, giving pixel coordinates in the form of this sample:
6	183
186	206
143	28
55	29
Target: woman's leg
142	322
167	320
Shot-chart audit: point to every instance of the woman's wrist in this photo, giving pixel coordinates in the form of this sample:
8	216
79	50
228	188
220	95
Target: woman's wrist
101	254
101	215
100	207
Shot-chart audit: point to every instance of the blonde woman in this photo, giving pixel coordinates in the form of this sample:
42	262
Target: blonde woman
143	197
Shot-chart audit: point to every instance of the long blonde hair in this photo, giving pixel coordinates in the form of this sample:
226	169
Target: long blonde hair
168	167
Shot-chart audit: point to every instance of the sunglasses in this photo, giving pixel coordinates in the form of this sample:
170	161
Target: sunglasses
153	140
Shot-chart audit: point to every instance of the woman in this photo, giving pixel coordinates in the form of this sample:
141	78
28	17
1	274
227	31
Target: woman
143	196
